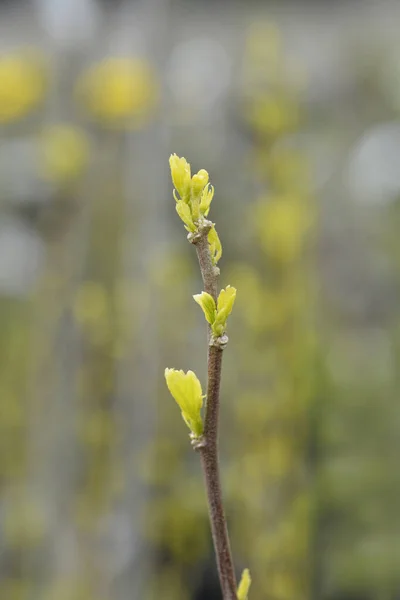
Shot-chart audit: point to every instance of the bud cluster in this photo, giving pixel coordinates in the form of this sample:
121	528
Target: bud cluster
193	196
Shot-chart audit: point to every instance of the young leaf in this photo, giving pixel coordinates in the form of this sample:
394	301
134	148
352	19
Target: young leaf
184	212
186	390
208	305
199	182
225	303
215	246
226	300
180	173
206	197
244	585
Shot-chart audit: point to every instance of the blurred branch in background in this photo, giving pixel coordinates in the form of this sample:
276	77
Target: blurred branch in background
274	388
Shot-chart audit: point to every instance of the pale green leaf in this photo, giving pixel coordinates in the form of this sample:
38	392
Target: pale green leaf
215	246
199	182
180	173
205	201
226	300
244	585
207	303
184	212
186	390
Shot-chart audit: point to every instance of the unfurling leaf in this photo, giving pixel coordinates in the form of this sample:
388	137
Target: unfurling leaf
225	304
199	182
215	246
207	303
206	197
244	585
226	300
185	214
180	173
217	315
186	390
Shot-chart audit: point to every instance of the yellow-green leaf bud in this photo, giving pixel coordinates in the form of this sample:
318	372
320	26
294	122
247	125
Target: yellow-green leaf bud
185	214
186	390
215	246
244	585
205	201
199	182
225	302
181	175
207	303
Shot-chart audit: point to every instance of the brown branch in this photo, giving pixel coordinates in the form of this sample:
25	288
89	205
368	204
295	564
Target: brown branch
208	448
209	273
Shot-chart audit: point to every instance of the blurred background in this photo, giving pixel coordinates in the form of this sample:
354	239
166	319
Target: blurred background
294	109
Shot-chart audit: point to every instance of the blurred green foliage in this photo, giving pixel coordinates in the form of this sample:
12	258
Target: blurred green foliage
101	495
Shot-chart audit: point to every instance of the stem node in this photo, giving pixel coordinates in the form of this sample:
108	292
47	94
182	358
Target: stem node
219	342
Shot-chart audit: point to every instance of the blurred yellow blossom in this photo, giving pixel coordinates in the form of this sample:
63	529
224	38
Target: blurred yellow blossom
65	153
281	224
288	169
274	114
118	91
285	585
91	302
264	47
22	85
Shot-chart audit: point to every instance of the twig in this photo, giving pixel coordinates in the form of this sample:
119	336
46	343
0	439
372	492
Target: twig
208	448
193	196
